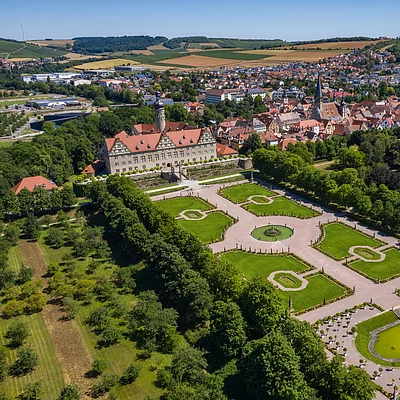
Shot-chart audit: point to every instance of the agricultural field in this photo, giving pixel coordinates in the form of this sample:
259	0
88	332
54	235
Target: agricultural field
176	205
53	43
241	193
363	337
281	206
337	45
320	288
232	55
385	269
105	64
338	239
21	50
194	61
209	229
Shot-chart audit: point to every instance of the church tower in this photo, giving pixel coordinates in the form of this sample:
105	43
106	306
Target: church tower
160	113
318	101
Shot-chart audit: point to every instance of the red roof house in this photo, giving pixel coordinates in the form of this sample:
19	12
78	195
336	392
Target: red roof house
34	182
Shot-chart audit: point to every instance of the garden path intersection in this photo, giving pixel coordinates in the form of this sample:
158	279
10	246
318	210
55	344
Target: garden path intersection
305	233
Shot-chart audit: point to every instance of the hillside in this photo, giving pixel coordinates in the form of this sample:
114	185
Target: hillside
14	49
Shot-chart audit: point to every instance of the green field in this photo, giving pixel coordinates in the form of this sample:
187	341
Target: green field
363	335
319	288
209	229
288	280
281	206
194	214
388	344
284	233
29	51
48	370
385	269
368	254
338	239
176	205
241	193
252	265
4	144
248	43
157	57
230	55
119	357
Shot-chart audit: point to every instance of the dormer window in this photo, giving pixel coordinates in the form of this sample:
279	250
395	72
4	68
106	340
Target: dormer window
191	140
141	142
180	142
148	146
137	147
184	136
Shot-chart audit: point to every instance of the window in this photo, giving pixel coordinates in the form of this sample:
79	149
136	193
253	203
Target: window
143	158
129	162
175	154
117	170
143	167
181	154
116	164
124	169
123	162
135	160
149	158
169	155
130	168
163	156
156	157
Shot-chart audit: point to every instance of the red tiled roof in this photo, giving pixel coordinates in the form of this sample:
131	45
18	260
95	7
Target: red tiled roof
34	182
224	150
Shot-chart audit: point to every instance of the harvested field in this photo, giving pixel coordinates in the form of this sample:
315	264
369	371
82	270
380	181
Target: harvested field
76	56
55	43
32	257
144	52
105	64
338	45
157	47
200	61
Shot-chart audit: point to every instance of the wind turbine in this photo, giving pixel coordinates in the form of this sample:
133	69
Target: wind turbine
23	32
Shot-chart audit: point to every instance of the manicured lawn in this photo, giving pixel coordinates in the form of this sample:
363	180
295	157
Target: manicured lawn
385	269
287	280
14	259
263	264
176	205
209	229
168	190
48	370
241	193
368	254
261	233
119	357
261	199
281	206
388	344
363	335
193	214
319	288
339	238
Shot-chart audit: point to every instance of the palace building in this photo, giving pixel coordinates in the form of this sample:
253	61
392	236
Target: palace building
165	145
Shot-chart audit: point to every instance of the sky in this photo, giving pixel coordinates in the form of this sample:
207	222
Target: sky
263	19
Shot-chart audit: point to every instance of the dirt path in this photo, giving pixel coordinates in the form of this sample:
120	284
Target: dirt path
71	352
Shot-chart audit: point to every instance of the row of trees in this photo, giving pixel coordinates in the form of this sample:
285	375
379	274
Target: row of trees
240	332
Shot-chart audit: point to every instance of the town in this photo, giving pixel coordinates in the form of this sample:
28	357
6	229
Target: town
199	217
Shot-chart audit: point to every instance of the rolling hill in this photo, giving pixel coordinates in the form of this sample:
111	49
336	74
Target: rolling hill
14	49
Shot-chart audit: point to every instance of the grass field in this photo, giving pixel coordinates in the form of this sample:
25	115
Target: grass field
26	50
193	214
368	254
168	190
260	234
48	370
119	357
385	269
176	205
209	229
231	55
388	344
363	335
4	144
319	289
253	265
105	64
241	193
281	206
288	280
339	238
14	259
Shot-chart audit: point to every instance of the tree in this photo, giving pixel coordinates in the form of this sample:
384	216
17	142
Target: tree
104	385
271	370
255	142
25	274
25	363
32	391
188	364
12	232
13	308
32	227
227	328
98	366
71	307
69	392
130	374
17	333
36	302
110	336
55	237
261	306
